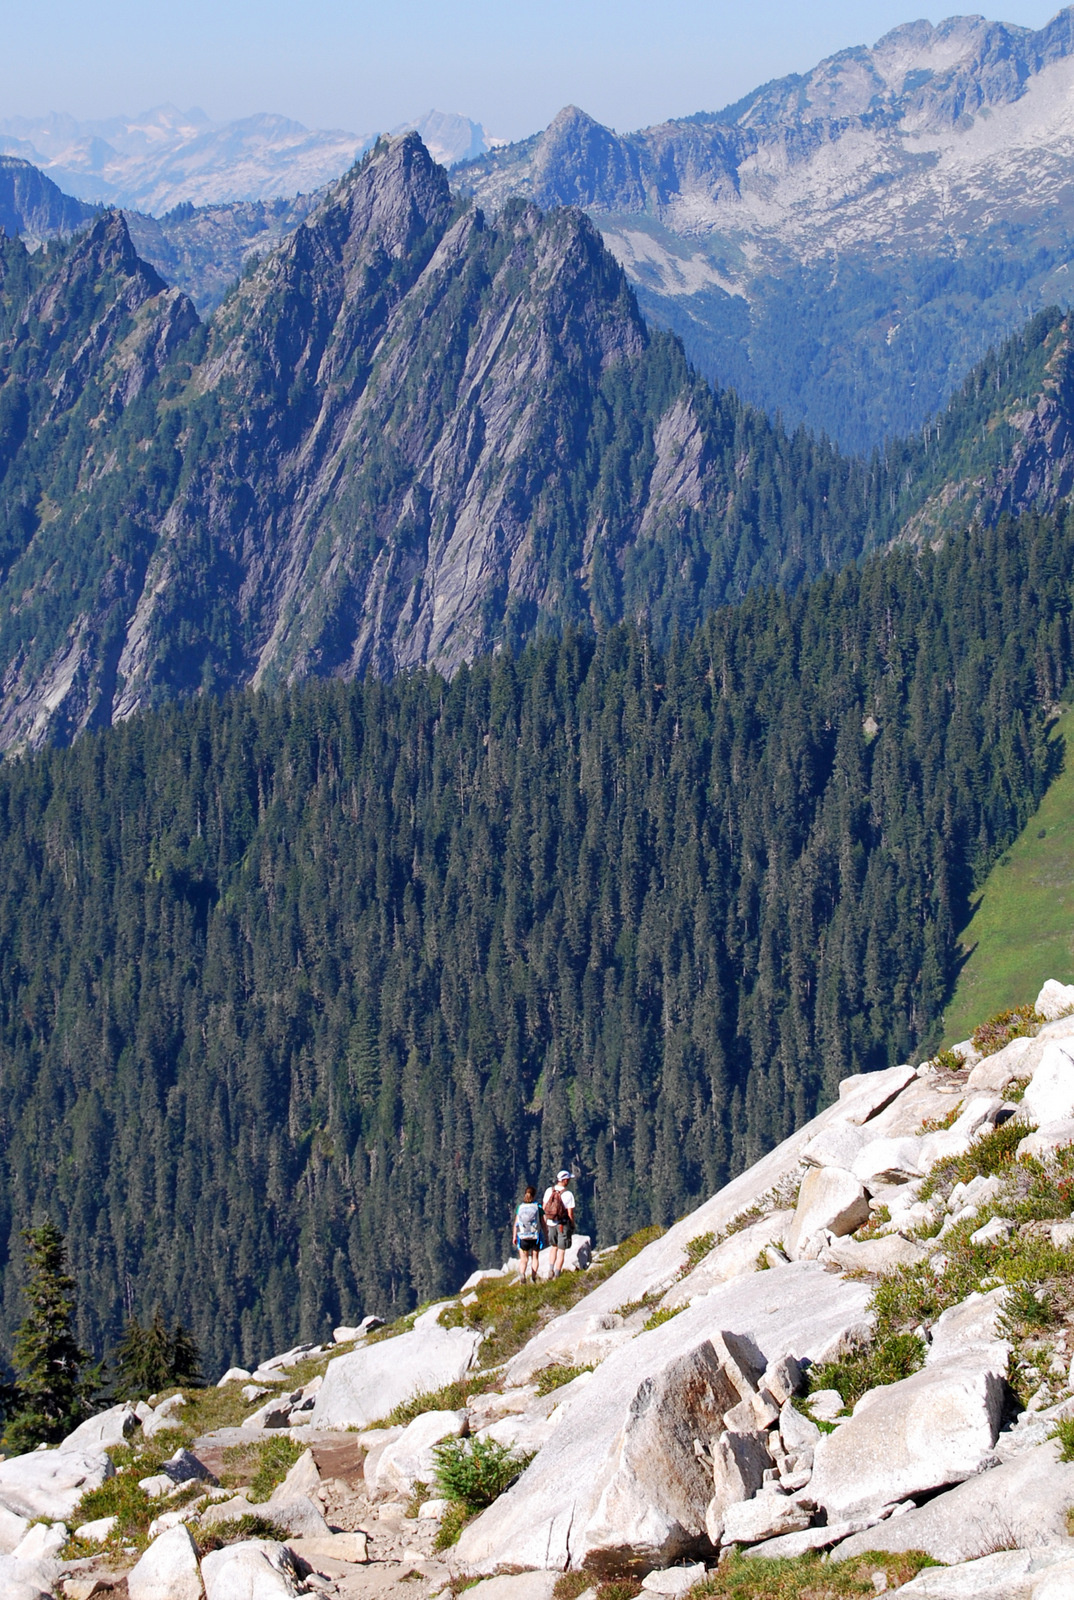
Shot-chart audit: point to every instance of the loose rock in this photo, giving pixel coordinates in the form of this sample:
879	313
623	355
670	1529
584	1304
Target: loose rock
168	1570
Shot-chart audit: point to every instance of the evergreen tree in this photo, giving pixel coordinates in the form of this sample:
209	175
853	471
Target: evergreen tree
51	1390
153	1357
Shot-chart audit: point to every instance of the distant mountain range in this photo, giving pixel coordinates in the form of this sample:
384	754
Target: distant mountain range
840	247
843	244
165	157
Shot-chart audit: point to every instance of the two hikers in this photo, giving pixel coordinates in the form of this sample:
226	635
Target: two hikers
551	1222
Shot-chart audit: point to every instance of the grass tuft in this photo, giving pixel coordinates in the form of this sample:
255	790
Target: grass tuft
661	1315
555	1376
808	1577
452	1397
867	1366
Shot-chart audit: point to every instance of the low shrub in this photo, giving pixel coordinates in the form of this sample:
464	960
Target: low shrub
661	1315
867	1366
993	1153
948	1061
999	1030
472	1473
696	1251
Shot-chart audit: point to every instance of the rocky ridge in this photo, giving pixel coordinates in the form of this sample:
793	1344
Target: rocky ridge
734	1388
406	438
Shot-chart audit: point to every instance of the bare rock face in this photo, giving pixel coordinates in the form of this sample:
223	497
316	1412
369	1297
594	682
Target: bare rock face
1024	1501
364	1386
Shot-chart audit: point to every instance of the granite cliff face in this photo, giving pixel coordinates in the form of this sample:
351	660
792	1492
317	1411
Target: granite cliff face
407	437
844	244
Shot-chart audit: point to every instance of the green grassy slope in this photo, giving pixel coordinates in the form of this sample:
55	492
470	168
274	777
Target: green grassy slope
1023	929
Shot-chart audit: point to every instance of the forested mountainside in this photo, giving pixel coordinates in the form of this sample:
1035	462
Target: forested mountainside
407	437
296	989
839	245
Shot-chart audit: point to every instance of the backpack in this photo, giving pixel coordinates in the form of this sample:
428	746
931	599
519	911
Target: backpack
554	1209
529	1220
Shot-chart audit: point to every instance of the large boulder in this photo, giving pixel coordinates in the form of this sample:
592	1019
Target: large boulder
50	1483
1049	1095
659	1486
1007	1575
1055	1000
589	1496
367	1384
831	1199
28	1580
106	1431
1023	1502
12	1528
909	1438
410	1460
258	1569
168	1570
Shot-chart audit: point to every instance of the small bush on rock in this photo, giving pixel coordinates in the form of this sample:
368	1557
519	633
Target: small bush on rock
661	1315
999	1030
472	1473
1064	1432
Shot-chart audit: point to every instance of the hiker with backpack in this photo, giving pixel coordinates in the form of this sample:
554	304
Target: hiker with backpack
559	1219
528	1234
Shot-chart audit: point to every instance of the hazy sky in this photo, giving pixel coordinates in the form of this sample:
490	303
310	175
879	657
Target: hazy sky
367	66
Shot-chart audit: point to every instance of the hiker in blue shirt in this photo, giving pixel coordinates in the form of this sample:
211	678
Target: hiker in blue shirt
528	1234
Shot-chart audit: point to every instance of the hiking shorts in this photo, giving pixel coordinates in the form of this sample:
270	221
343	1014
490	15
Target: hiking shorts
526	1245
560	1235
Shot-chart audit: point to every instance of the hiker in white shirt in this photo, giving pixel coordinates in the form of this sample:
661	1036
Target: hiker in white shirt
558	1209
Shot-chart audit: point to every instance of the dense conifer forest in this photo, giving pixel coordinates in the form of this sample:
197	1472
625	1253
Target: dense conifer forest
295	990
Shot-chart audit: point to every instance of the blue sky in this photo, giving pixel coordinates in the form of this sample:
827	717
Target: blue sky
350	63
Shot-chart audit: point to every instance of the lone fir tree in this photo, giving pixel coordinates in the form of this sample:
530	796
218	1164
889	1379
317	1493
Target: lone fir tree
51	1389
